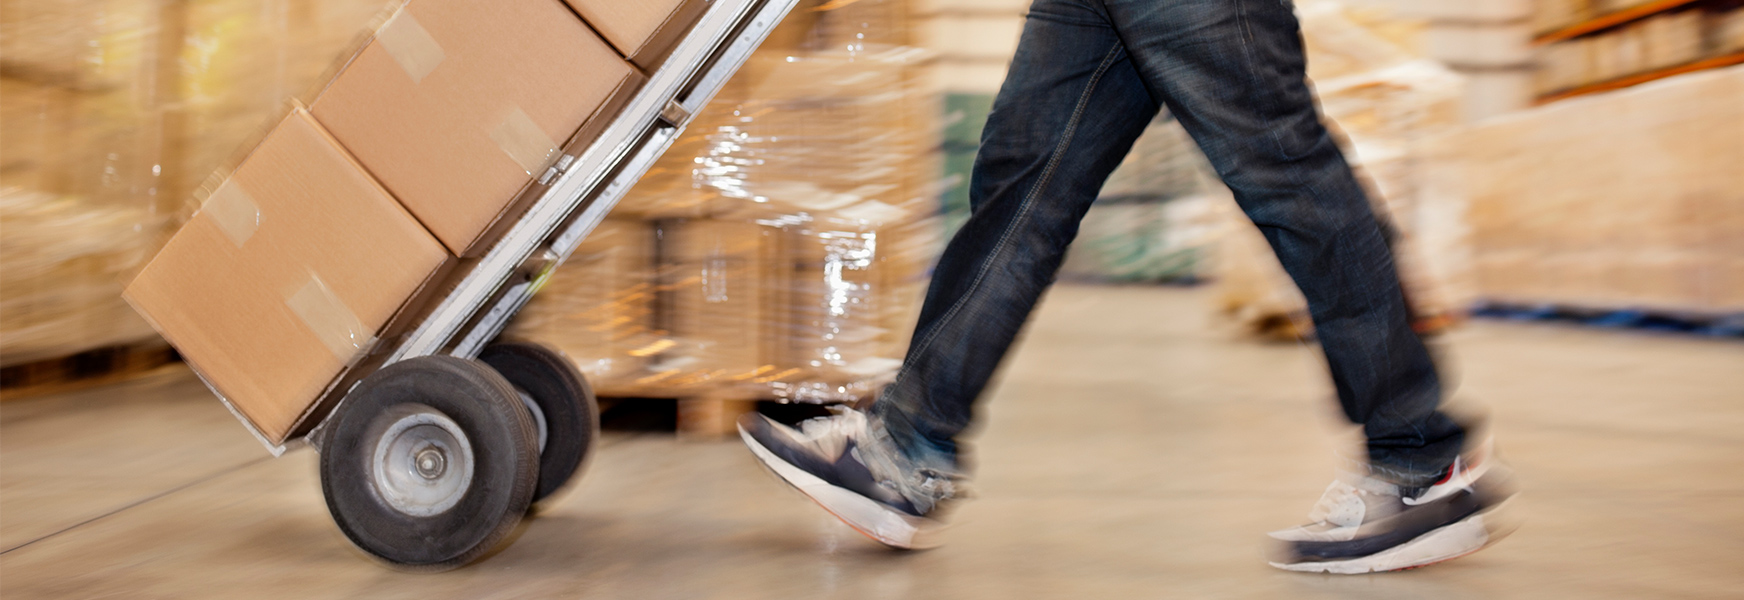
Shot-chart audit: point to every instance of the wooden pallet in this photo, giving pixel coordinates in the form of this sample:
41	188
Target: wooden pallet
704	413
704	418
85	369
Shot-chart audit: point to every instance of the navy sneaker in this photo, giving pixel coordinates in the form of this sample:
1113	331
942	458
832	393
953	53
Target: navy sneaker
850	467
1363	524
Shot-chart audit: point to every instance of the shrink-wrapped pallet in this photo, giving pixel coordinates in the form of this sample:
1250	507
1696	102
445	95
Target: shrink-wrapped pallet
791	225
1630	199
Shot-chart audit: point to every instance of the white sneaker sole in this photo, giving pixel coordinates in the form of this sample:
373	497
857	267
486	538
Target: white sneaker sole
874	520
1469	535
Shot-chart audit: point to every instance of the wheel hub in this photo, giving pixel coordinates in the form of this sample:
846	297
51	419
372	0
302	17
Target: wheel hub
431	463
422	463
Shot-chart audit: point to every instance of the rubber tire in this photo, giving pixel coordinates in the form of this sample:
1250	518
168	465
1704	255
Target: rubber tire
571	411
505	450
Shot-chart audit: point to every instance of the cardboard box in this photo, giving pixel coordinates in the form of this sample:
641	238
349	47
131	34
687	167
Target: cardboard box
455	106
643	31
717	279
286	275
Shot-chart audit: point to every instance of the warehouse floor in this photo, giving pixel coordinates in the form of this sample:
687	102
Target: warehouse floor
1133	450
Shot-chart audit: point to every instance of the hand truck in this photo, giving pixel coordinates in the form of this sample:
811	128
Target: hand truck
431	453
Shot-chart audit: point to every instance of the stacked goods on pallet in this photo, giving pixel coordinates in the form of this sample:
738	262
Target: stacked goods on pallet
1385	105
316	251
787	230
1153	218
1626	200
1666	40
1728	31
62	261
77	107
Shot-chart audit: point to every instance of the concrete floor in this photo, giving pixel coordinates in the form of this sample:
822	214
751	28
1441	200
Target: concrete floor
1133	450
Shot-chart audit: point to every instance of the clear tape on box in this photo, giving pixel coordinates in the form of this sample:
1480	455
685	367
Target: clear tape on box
778	250
115	112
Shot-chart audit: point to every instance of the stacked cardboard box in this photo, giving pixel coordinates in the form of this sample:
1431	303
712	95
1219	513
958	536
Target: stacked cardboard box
414	154
1631	199
791	227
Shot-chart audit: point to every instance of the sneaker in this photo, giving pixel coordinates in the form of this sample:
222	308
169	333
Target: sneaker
850	468
1363	524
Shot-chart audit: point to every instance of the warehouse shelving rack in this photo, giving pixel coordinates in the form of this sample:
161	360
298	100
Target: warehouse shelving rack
1634	14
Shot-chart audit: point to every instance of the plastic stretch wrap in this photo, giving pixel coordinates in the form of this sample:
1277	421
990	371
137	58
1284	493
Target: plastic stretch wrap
778	250
114	111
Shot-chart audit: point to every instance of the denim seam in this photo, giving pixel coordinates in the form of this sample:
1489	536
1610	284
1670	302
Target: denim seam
1022	211
1051	19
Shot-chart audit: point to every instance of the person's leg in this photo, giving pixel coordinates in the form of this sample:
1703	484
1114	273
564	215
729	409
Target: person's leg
1233	73
1070	109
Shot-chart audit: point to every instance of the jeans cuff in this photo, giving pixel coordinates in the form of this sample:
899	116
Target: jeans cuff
1405	476
921	452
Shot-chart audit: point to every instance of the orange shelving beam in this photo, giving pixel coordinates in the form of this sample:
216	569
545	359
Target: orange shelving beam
1640	78
1611	20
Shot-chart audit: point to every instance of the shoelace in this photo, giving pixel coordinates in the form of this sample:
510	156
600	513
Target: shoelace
830	434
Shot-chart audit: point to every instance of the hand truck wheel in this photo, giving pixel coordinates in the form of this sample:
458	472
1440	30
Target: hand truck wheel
562	405
431	462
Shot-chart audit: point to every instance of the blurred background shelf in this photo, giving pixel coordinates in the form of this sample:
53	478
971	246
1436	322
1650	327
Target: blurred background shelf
1590	46
1640	78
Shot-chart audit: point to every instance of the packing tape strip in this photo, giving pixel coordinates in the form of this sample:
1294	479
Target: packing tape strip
234	211
330	319
410	45
525	142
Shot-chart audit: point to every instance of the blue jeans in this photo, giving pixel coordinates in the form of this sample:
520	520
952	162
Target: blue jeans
1088	75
